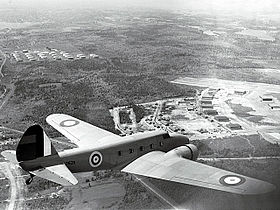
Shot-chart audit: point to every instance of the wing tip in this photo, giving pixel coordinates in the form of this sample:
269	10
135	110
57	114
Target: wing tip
263	189
71	183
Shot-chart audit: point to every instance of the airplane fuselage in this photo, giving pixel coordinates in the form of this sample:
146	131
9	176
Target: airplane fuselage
123	152
111	156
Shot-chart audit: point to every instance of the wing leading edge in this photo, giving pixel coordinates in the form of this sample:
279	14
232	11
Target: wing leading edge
157	165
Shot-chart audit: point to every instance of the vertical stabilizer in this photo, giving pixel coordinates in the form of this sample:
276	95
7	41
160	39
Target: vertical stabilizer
34	144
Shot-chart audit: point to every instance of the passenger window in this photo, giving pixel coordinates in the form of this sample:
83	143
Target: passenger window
161	143
131	151
141	148
120	153
151	146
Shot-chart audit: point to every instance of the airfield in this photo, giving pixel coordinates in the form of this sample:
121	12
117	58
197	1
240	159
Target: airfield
215	80
224	108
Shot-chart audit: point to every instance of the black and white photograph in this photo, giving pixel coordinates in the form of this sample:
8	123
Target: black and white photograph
139	104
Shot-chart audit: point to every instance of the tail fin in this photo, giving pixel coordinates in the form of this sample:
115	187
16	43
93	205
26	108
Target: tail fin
36	155
34	144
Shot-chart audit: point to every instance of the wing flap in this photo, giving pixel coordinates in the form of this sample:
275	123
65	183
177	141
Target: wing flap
59	174
158	165
78	131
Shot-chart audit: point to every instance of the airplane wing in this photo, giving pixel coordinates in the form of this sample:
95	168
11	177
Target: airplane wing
59	174
78	131
157	165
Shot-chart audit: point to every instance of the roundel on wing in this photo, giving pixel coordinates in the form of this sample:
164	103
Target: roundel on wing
95	159
69	123
232	180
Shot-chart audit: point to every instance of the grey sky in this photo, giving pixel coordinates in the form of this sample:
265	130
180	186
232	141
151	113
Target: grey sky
213	6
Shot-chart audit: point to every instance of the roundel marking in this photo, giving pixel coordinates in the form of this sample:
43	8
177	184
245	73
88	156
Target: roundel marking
69	123
95	159
232	180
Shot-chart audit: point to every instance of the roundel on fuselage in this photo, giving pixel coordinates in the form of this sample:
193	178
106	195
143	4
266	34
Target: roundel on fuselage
95	159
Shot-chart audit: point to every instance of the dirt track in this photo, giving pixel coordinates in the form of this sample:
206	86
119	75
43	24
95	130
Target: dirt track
17	185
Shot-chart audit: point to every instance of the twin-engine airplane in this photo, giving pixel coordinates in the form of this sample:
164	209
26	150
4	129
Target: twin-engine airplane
155	154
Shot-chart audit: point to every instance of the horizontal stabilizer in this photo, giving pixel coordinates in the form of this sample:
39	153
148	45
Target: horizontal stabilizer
59	174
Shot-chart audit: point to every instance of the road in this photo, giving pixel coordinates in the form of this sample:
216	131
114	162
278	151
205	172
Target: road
116	118
158	110
11	88
17	185
11	129
3	63
132	117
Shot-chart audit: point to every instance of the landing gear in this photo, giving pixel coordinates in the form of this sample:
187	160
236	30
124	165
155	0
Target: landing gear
29	180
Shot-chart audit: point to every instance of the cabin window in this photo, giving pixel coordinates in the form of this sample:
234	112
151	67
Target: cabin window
141	148
120	153
161	143
166	136
151	146
131	151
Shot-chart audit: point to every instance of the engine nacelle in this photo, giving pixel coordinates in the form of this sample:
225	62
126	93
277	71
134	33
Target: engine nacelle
188	151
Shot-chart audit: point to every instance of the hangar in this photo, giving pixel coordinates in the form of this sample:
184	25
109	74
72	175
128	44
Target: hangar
240	92
210	112
207	97
206	106
221	118
274	106
234	126
206	102
266	98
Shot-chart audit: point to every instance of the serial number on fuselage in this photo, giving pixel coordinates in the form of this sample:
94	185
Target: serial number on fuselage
71	162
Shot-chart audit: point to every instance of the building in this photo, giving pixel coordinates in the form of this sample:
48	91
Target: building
240	92
212	90
93	56
211	93
51	85
206	102
274	106
234	126
266	98
221	118
207	97
191	99
210	112
206	106
190	108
